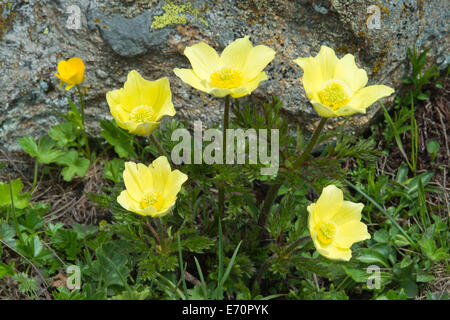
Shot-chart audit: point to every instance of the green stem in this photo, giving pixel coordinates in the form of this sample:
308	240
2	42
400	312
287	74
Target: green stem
158	146
273	191
88	151
36	163
13	213
311	144
226	124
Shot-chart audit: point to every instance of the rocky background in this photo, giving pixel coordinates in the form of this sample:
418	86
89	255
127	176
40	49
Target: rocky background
116	36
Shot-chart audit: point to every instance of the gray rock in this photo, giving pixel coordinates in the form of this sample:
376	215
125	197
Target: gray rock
118	36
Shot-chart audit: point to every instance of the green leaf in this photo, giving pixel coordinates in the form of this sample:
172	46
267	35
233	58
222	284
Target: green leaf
113	170
6	269
44	151
21	201
64	134
74	165
422	96
373	256
84	231
381	236
7	233
29	145
121	140
433	148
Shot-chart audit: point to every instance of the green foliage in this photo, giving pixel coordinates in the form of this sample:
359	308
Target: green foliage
74	165
247	254
120	139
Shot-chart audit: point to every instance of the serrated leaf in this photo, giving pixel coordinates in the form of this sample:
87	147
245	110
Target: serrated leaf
44	151
7	233
21	201
64	134
74	165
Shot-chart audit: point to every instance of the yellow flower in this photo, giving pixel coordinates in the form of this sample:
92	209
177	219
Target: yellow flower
150	191
236	72
336	87
140	104
71	72
334	224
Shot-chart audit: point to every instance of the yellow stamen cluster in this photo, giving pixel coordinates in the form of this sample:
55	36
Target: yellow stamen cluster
226	78
326	231
151	198
334	94
142	114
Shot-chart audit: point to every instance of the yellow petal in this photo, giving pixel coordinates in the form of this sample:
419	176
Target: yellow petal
189	76
62	69
317	70
329	202
312	221
136	92
163	105
348	110
131	176
323	110
336	253
142	129
248	86
236	53
350	233
348	212
364	97
160	169
173	185
127	202
218	92
204	59
258	58
347	71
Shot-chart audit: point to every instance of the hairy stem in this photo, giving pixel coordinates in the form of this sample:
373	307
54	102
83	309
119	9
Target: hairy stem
80	93
273	191
226	124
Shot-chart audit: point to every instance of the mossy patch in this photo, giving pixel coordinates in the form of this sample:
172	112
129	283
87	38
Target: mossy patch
176	14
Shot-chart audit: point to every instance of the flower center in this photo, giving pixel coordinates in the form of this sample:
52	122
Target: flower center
226	78
326	231
142	114
151	198
335	94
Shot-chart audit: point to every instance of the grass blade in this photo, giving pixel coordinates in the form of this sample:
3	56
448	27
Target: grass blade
395	223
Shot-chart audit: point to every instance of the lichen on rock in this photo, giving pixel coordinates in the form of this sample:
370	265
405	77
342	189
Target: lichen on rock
176	14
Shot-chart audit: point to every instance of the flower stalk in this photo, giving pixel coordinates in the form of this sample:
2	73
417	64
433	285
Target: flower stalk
83	126
226	124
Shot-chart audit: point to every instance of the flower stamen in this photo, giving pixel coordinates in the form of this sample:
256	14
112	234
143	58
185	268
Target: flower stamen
326	232
226	78
335	94
141	114
151	198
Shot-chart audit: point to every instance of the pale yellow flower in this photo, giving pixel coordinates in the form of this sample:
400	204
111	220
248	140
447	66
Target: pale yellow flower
336	87
140	104
334	224
150	190
71	72
236	72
